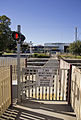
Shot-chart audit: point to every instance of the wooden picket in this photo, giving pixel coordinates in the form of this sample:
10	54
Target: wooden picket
5	89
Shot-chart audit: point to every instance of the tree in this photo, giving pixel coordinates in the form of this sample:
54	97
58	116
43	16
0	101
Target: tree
75	48
5	32
12	44
7	43
25	47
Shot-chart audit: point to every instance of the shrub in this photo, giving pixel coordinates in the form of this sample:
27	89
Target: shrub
37	55
1	53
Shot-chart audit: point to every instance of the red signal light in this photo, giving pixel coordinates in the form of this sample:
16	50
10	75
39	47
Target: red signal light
16	36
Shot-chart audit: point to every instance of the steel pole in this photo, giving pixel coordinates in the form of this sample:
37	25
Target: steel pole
18	67
75	34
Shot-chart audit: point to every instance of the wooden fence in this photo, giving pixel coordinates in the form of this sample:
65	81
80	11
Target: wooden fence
7	61
76	91
5	89
5	83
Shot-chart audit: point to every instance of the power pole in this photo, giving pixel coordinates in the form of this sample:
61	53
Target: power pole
18	65
75	34
31	47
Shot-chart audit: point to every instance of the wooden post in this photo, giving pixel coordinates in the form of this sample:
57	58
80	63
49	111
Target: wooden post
69	85
26	63
80	98
26	67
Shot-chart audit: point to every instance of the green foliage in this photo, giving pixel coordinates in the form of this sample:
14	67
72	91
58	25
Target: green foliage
75	48
1	53
24	47
7	43
71	56
37	55
5	32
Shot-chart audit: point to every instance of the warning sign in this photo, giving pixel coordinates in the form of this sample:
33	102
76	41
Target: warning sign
45	77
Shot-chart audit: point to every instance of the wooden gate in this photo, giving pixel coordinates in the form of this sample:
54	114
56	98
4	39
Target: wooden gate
31	89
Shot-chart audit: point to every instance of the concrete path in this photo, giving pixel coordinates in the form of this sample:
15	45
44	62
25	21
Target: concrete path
44	110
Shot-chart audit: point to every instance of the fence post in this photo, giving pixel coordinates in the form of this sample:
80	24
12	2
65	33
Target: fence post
26	67
69	84
11	83
26	63
80	98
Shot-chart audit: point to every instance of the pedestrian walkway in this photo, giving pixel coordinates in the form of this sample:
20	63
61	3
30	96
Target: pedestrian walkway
44	110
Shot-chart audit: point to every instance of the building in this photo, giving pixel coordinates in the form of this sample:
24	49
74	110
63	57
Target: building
38	49
56	47
49	48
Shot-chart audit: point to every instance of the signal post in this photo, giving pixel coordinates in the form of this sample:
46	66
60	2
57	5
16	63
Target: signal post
18	37
18	65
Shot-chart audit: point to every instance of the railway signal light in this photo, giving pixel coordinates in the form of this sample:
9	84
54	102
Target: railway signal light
17	36
22	37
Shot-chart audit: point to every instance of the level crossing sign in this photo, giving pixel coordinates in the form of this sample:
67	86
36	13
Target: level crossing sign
45	77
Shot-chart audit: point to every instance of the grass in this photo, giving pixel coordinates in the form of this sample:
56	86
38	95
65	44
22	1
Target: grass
7	53
40	55
69	56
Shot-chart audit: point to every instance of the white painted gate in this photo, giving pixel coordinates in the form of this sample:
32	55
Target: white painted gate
45	83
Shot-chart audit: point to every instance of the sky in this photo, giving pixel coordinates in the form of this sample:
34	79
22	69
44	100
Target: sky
44	21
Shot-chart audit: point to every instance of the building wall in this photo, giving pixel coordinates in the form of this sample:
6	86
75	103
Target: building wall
60	46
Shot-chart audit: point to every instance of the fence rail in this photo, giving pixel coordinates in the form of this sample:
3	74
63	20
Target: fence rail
5	89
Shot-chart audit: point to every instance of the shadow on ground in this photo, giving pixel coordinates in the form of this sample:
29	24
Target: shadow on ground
44	110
